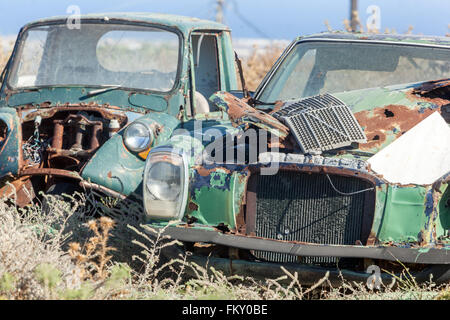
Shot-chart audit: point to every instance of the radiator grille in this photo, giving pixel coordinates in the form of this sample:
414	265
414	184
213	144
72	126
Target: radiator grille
321	123
304	207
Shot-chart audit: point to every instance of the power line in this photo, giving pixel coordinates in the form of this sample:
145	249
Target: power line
205	12
247	22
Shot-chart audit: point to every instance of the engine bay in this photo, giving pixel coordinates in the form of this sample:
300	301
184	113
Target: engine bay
67	137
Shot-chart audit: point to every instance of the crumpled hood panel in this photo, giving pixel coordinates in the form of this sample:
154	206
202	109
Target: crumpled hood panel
387	113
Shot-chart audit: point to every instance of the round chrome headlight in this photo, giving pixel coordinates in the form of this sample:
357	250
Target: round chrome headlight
138	137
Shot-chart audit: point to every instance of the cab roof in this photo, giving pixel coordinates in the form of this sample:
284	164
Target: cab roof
185	24
399	38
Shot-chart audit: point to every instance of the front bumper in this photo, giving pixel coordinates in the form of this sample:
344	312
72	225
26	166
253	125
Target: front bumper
422	255
438	259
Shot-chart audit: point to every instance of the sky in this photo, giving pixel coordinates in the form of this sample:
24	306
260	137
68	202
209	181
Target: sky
272	19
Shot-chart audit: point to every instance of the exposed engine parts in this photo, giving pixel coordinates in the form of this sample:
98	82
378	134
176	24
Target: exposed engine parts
67	137
34	147
57	143
79	127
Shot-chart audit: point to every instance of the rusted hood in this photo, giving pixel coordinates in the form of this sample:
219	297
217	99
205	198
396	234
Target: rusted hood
242	114
387	113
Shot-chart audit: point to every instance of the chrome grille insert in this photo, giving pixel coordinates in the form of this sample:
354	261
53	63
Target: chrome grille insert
321	123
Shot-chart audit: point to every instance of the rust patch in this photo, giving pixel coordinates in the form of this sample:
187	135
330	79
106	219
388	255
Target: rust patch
436	92
242	178
48	113
16	190
429	86
193	206
25	194
410	95
288	143
206	172
238	109
235	112
380	122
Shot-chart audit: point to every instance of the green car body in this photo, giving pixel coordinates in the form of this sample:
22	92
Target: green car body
74	96
252	224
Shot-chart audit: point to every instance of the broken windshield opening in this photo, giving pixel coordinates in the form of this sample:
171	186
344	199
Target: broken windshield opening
313	68
96	55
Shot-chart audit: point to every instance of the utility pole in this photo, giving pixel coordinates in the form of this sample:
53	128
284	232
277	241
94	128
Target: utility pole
219	10
354	15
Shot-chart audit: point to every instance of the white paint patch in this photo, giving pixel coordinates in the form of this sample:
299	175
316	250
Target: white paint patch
420	156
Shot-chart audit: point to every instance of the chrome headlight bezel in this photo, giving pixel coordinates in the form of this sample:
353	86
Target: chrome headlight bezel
179	204
144	147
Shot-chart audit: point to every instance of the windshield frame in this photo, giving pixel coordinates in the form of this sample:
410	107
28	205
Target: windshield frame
269	76
114	21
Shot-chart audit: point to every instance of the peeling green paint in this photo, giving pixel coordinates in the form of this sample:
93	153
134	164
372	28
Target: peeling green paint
443	223
125	169
9	148
404	216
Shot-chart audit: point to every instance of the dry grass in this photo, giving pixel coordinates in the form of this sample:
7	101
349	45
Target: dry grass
93	257
69	255
258	63
32	260
5	52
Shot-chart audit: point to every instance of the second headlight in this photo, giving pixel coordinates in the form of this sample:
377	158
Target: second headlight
138	137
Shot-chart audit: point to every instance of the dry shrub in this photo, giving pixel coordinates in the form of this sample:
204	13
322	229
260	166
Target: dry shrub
360	27
444	294
5	53
32	261
403	288
124	213
189	280
258	63
93	257
40	259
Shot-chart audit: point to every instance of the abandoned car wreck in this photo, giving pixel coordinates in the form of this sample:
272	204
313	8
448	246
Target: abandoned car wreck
68	94
339	159
363	165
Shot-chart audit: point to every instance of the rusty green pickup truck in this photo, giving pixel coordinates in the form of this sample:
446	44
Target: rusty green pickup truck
82	105
339	162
